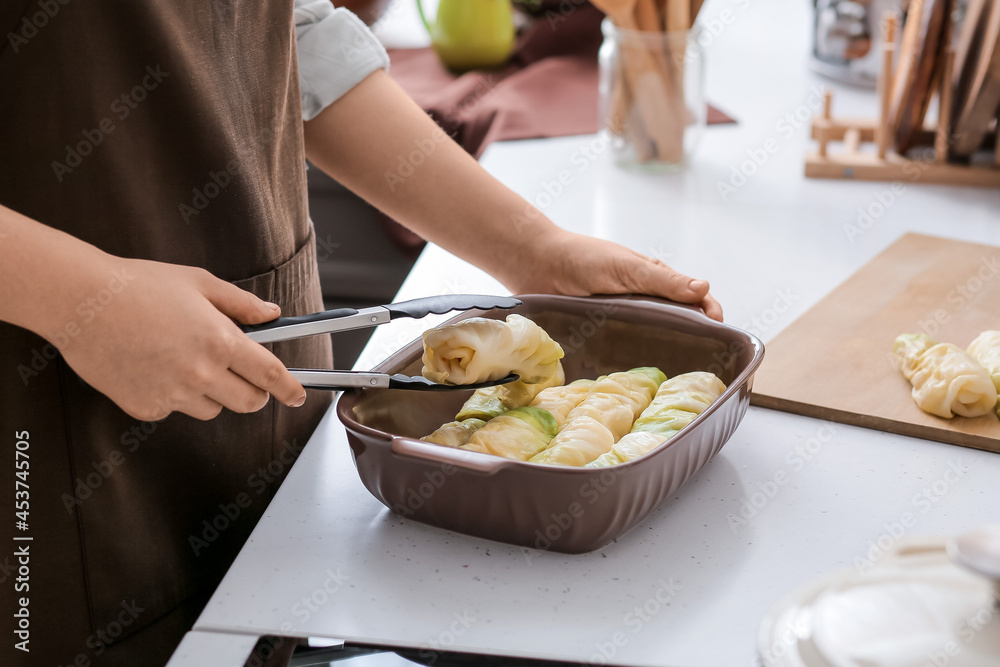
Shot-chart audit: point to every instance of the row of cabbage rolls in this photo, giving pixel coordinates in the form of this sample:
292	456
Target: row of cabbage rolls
593	423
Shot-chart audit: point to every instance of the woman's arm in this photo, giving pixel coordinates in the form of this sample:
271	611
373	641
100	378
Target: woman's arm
361	139
152	337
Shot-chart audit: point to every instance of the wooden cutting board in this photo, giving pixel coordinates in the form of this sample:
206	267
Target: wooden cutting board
926	27
835	362
978	94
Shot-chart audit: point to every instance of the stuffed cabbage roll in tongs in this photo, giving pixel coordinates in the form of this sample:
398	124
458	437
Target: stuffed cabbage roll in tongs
480	349
676	404
604	415
947	380
518	434
986	350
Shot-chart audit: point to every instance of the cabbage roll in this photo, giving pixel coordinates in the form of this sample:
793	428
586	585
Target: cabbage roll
676	404
582	441
490	402
986	350
678	401
617	399
456	433
947	380
560	400
480	349
631	447
518	434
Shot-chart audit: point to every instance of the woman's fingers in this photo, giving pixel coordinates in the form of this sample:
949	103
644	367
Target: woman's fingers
238	304
201	407
656	278
255	371
262	369
712	307
235	393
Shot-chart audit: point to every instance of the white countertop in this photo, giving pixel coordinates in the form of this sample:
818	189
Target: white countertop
328	560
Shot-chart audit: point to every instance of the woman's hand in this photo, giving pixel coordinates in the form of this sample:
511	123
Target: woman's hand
579	265
166	342
448	198
152	337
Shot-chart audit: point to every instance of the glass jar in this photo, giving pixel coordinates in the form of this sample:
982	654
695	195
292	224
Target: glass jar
652	100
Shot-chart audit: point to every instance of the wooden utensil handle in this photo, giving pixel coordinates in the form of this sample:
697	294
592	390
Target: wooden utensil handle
645	79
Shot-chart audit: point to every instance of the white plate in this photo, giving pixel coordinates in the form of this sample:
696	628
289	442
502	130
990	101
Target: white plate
912	608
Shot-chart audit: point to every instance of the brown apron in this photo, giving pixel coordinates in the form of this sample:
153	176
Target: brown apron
170	131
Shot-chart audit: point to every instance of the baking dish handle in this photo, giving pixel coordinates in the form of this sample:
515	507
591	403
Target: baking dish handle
441	455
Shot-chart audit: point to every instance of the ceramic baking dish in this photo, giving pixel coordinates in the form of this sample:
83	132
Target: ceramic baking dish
571	510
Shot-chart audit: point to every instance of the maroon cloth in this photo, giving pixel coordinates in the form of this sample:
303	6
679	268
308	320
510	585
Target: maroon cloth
548	88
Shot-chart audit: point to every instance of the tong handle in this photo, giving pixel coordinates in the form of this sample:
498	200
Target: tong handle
299	319
337	380
438	305
328	321
345	319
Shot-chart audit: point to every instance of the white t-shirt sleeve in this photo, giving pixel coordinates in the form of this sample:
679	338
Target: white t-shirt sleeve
336	51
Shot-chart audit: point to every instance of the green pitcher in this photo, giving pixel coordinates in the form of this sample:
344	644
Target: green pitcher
471	34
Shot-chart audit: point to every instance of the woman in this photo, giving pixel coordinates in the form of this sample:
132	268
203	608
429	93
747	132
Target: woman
153	193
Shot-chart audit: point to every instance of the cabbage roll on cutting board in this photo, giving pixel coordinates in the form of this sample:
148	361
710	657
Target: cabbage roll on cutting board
560	400
480	349
616	400
582	441
456	433
676	404
947	380
518	434
986	350
490	402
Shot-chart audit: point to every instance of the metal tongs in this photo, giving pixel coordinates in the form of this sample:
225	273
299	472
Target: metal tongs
346	319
